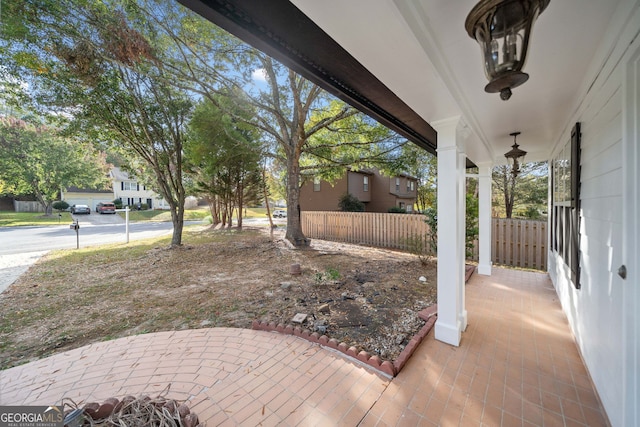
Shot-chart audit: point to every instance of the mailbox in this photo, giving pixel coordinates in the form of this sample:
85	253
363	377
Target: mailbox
74	226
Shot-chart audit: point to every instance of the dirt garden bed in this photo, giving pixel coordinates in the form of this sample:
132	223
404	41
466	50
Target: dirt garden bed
364	297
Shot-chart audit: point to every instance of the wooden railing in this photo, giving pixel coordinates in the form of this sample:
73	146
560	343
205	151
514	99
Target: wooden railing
517	243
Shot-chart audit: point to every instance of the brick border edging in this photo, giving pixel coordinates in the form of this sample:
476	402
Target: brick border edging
390	368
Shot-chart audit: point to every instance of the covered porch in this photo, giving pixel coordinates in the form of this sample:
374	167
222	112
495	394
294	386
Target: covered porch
517	364
412	66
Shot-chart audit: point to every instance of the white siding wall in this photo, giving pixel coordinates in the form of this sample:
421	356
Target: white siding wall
142	193
595	312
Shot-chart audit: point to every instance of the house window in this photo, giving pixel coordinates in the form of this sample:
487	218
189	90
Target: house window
129	186
397	184
412	186
365	185
316	184
565	211
408	186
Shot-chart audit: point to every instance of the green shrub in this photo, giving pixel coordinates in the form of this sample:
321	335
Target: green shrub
532	213
397	209
350	203
118	203
60	205
471	224
431	218
329	275
417	245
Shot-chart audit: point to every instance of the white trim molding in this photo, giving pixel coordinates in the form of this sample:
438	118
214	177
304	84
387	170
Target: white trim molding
630	239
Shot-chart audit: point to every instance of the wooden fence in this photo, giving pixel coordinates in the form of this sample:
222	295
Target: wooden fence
27	206
517	243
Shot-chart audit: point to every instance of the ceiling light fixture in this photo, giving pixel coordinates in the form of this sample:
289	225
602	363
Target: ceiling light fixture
502	28
515	156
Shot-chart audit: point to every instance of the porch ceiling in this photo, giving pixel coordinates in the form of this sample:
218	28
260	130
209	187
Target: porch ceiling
421	51
411	63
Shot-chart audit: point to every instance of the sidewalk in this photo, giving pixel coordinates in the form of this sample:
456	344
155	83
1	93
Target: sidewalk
13	266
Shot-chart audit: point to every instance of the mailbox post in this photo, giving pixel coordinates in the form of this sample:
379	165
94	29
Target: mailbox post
75	226
126	221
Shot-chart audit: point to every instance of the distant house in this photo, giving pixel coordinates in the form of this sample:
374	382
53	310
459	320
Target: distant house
379	193
86	196
132	192
123	187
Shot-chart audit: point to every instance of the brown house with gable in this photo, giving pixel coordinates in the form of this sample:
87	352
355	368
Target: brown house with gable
376	191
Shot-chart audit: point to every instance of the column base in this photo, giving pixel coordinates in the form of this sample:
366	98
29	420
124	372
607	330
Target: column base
447	333
484	269
463	320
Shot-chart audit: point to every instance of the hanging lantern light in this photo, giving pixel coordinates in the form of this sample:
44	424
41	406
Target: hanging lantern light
502	28
515	156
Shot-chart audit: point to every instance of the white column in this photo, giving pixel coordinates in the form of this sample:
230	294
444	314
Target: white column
461	224
451	312
484	219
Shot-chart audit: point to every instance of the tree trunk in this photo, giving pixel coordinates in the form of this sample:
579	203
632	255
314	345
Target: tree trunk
240	203
176	238
47	206
220	210
229	210
294	224
266	197
177	218
213	208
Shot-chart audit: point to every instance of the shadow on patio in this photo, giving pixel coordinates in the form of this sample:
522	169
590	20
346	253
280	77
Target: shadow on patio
517	365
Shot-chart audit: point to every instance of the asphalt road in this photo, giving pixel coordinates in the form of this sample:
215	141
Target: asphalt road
20	247
16	240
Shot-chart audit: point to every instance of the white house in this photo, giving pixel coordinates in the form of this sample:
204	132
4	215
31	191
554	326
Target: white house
85	196
411	65
124	187
132	192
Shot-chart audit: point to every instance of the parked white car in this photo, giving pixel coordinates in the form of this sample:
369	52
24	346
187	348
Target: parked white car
279	214
80	209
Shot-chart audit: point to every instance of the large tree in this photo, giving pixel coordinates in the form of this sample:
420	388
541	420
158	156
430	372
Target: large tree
224	156
528	188
34	159
149	117
90	62
289	110
188	52
422	165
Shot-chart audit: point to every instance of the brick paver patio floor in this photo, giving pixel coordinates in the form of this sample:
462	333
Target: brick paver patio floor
517	365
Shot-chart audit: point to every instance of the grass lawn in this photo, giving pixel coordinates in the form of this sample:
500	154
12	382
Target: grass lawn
192	214
158	215
16	219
